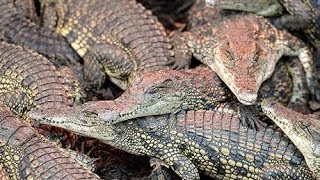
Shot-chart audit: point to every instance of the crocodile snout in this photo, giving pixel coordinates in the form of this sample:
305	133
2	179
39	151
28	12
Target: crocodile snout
247	97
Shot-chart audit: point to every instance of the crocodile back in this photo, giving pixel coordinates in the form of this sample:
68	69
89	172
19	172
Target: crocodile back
238	151
119	37
25	154
28	80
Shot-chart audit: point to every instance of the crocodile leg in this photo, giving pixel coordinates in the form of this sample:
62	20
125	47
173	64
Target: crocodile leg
171	155
182	51
110	59
83	159
292	46
300	94
52	13
160	170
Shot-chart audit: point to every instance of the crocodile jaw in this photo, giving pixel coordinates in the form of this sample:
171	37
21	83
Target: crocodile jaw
290	122
164	105
84	120
244	86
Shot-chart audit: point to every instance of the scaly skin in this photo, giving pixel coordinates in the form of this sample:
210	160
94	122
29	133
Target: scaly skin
169	91
25	154
302	14
16	28
27	8
244	50
260	7
303	130
117	38
28	80
212	142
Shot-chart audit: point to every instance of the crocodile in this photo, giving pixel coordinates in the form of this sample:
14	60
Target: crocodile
117	38
302	129
169	91
302	14
210	141
25	154
243	50
18	29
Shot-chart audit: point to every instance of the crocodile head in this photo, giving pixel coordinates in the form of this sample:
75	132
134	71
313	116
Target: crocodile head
240	58
260	7
92	119
303	130
168	91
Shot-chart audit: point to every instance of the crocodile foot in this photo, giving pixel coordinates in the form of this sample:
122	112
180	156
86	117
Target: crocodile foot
160	170
249	118
180	61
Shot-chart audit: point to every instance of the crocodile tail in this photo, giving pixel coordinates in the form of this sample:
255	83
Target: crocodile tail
30	80
16	28
28	155
142	33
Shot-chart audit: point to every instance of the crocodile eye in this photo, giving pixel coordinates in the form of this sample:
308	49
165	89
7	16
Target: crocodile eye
90	114
153	90
254	58
228	55
160	87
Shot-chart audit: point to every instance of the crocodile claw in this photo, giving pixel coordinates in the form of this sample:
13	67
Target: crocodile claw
180	61
249	118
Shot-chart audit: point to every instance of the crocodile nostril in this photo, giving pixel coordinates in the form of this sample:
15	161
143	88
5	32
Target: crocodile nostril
248	97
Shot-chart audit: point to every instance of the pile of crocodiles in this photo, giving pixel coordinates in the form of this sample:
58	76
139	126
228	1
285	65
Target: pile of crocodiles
219	89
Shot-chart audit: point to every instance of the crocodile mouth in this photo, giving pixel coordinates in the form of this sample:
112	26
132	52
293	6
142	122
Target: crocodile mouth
247	102
247	98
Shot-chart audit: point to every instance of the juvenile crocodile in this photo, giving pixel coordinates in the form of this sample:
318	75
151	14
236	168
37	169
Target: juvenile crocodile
212	142
244	50
117	38
25	154
302	14
303	130
16	28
